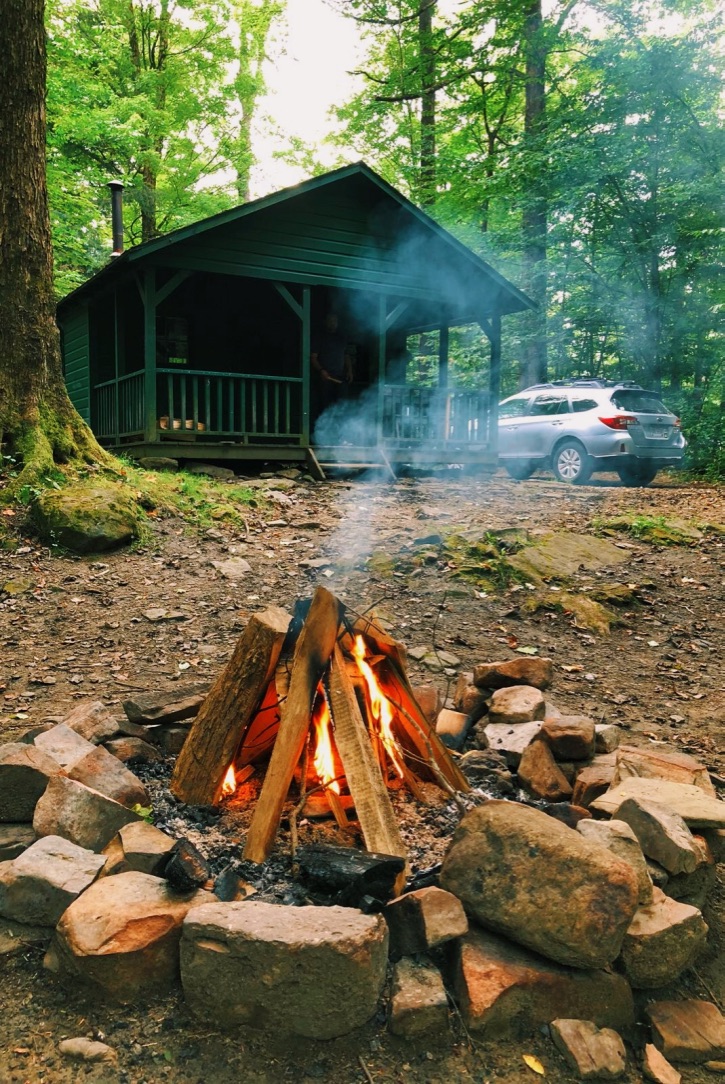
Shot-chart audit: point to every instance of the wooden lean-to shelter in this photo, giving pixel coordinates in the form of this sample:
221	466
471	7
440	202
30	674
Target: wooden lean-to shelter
196	345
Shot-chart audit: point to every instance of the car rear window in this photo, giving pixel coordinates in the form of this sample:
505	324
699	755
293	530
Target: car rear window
639	402
514	408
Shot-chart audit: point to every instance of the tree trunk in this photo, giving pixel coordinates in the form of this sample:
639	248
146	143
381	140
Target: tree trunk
427	104
38	424
535	210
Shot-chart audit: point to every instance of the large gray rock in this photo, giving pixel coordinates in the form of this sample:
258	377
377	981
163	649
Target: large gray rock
80	814
105	773
312	971
517	704
24	775
36	887
619	838
64	745
505	991
697	809
87	518
665	938
524	874
122	936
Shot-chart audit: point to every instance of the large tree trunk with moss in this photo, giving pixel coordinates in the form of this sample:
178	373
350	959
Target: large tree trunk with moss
38	424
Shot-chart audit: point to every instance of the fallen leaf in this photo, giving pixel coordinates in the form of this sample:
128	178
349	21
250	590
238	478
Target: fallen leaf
534	1063
527	650
8	512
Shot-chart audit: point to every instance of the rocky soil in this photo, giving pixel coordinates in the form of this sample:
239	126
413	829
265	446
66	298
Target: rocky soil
169	612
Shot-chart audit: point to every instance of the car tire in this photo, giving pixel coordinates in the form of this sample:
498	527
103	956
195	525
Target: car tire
637	474
571	463
520	469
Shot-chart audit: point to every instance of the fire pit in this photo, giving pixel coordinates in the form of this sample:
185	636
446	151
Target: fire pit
325	697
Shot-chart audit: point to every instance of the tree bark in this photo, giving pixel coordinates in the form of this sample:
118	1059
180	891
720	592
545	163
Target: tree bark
535	212
427	104
38	424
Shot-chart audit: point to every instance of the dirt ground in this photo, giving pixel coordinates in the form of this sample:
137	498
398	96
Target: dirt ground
74	628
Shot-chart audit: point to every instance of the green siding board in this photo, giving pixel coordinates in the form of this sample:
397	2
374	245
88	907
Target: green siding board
76	353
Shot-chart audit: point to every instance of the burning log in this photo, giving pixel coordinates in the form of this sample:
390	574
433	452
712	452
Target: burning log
224	716
362	771
311	656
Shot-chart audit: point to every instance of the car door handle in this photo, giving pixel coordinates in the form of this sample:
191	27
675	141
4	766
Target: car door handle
510	428
557	423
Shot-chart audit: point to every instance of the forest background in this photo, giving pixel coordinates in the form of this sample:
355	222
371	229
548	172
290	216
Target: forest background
576	144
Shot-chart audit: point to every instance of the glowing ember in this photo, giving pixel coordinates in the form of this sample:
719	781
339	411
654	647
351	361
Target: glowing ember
230	782
379	706
323	759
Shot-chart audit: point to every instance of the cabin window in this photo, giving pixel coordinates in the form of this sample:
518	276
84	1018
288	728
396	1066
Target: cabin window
172	341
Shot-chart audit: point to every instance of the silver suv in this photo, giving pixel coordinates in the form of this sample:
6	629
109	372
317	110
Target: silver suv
583	426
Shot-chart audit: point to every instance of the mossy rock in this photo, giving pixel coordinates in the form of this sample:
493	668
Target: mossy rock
586	611
87	518
562	554
658	530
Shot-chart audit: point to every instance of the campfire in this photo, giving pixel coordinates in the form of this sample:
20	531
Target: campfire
323	705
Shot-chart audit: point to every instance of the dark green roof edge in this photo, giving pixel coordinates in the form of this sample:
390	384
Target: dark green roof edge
147	248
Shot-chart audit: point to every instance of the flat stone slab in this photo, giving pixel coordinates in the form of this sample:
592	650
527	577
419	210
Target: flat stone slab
655	1066
64	745
311	971
164	707
665	938
24	775
80	814
687	1031
510	739
662	834
524	874
504	991
122	936
660	764
516	704
595	1053
418	1002
498	675
697	809
43	881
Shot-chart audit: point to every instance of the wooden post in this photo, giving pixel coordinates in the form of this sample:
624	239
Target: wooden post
362	771
312	654
228	709
149	354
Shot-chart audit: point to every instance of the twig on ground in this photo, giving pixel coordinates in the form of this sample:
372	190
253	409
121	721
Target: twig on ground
365	1070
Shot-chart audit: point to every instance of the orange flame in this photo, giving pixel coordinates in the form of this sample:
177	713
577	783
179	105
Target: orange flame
323	760
230	782
380	707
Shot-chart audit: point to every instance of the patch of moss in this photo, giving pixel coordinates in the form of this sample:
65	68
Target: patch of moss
86	518
586	611
200	500
658	530
483	562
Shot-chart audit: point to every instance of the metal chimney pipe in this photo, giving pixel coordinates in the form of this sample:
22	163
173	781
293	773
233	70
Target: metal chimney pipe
117	216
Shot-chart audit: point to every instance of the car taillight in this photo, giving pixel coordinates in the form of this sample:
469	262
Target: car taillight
620	421
677	423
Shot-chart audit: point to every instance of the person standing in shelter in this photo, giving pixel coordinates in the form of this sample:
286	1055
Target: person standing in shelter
331	360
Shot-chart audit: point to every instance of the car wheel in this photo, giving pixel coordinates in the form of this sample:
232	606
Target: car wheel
520	469
571	463
637	474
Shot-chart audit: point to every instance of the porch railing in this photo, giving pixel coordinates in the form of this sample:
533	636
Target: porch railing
436	415
249	406
117	408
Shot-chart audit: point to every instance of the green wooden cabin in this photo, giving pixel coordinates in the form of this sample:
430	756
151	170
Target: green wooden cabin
197	344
